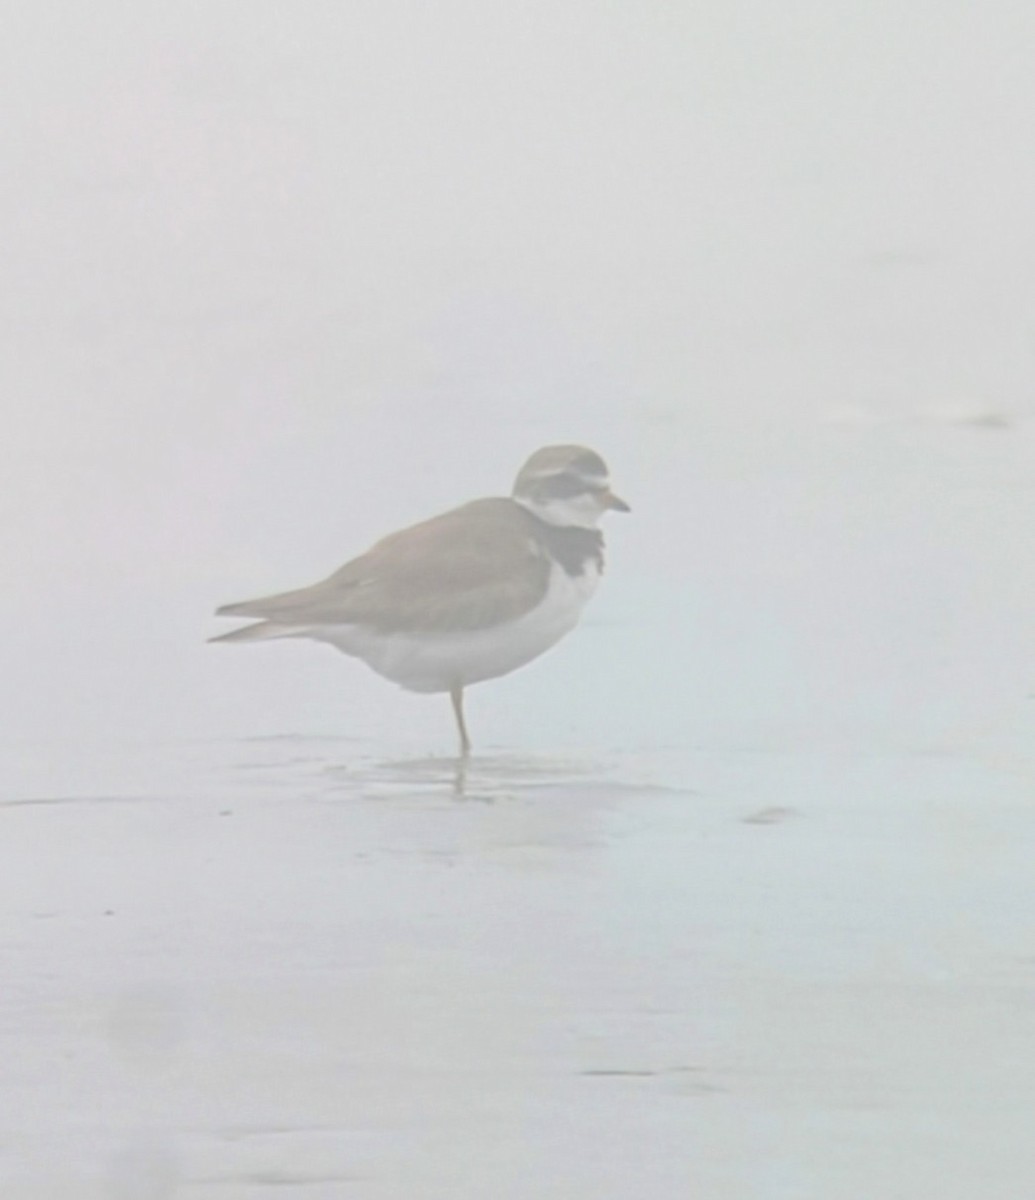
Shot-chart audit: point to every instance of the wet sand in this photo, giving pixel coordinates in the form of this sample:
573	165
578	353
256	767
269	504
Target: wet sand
299	970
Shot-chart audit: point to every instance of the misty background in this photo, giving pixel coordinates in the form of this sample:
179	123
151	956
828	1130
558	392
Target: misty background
281	278
743	908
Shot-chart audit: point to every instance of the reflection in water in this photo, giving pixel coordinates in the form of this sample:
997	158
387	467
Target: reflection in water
339	769
486	777
430	806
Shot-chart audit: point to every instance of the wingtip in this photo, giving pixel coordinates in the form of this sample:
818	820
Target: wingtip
239	608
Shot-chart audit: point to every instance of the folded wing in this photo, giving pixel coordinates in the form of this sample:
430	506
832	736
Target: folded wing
471	568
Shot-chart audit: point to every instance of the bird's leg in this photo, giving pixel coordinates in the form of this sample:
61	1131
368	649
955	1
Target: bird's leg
456	694
460	778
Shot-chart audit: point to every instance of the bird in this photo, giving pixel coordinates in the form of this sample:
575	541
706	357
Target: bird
469	595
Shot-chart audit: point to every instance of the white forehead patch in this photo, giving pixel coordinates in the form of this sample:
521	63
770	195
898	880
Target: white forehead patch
591	481
594	481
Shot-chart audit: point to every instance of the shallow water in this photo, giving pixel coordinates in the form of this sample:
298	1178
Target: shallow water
304	967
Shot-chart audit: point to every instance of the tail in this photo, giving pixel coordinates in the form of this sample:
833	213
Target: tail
261	631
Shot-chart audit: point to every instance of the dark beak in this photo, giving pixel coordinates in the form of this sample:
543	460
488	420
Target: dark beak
614	502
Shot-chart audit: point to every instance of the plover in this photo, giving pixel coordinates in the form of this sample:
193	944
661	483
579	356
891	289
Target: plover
466	596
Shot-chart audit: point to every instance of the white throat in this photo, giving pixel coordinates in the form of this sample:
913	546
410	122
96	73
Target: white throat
583	511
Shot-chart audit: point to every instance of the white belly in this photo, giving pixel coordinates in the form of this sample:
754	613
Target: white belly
436	662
